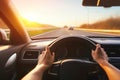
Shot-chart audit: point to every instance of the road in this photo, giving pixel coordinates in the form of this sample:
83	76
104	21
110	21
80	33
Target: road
61	32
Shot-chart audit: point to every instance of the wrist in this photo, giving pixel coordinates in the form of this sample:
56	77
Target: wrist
39	69
103	63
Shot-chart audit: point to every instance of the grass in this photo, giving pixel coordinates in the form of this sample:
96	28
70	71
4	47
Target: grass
36	32
110	26
113	32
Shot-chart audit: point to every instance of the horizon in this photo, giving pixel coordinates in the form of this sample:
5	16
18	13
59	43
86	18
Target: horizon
62	12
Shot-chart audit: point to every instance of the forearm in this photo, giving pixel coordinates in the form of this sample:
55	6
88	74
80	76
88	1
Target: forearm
35	74
112	72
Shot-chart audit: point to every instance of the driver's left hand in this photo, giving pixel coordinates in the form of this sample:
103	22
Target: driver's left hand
46	59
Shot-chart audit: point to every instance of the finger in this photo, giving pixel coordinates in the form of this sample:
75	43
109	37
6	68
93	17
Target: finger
103	50
47	52
43	55
98	50
93	54
98	45
53	55
104	53
40	55
48	49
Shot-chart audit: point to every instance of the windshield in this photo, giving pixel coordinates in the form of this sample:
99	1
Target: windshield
41	16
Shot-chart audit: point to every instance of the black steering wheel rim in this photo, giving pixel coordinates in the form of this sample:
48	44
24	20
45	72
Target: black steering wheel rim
65	64
64	39
70	36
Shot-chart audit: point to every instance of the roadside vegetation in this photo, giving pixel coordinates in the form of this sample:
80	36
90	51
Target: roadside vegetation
33	28
36	32
110	25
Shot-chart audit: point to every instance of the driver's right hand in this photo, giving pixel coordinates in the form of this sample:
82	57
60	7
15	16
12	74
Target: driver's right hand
99	55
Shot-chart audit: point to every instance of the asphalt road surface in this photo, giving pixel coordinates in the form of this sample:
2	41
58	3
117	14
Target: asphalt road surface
61	32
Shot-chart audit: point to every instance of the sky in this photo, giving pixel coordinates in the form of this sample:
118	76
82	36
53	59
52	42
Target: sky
62	12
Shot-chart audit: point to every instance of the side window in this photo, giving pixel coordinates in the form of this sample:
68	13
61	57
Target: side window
4	33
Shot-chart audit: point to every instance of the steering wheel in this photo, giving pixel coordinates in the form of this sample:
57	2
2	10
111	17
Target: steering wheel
72	69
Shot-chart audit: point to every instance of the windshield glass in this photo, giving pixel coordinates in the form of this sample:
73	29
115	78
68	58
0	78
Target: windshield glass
40	16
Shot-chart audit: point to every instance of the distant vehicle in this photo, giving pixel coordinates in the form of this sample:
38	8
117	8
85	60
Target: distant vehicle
71	28
65	26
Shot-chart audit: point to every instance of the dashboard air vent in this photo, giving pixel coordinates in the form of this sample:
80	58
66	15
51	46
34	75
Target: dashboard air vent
113	51
31	55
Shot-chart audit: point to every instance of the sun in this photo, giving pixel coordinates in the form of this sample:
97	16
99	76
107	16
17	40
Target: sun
31	17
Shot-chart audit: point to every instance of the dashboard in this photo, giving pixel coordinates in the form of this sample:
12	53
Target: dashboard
68	50
111	46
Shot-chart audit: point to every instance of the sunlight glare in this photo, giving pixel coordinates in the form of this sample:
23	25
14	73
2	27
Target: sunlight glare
31	17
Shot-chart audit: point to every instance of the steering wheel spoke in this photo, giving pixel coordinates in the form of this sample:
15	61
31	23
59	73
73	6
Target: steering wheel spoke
76	69
53	71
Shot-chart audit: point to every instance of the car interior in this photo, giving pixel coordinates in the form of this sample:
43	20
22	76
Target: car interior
73	61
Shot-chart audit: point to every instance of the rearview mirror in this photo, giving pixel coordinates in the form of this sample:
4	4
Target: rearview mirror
104	3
